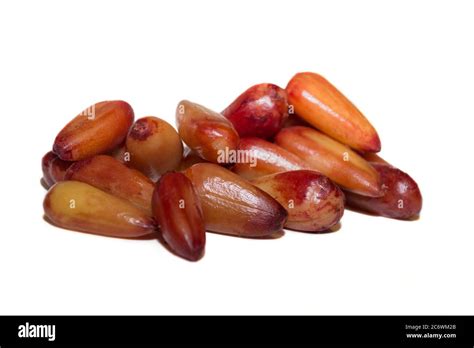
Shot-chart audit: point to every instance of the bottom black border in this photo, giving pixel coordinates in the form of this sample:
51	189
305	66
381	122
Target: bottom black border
192	330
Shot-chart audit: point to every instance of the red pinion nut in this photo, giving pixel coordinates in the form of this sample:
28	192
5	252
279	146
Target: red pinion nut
177	210
314	203
401	196
260	111
333	159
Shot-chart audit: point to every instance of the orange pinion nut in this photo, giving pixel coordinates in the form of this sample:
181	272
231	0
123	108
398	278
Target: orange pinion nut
335	160
206	132
110	175
98	129
322	105
265	158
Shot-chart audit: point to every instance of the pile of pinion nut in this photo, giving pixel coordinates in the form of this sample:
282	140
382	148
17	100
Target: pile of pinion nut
274	158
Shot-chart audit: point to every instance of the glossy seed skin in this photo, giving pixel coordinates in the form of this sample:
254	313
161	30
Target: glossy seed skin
53	168
260	111
154	147
231	205
206	132
264	158
97	130
314	203
333	159
81	207
401	195
323	106
109	175
177	210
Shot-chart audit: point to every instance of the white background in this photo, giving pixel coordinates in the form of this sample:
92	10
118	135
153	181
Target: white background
408	65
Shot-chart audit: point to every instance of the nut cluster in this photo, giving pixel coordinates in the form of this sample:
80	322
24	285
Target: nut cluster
274	158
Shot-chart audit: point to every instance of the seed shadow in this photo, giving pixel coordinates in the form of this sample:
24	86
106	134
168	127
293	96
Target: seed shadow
275	235
149	236
361	211
159	238
368	213
155	235
413	218
330	230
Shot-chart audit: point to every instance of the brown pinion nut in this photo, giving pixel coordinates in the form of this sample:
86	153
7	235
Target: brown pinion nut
97	130
81	207
259	111
319	103
231	205
154	147
177	210
206	132
260	157
53	168
314	203
110	175
401	196
331	158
